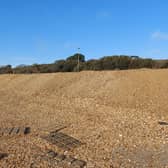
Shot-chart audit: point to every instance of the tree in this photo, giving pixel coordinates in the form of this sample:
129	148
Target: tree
76	56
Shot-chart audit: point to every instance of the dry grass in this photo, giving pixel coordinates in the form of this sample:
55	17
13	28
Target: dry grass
115	113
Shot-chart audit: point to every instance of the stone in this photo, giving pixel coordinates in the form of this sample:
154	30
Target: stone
60	157
69	160
78	164
51	154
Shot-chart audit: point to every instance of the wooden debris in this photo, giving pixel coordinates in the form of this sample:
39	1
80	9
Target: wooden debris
14	131
162	123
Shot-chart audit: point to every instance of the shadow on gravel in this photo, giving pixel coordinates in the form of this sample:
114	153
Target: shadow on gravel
140	157
3	155
27	130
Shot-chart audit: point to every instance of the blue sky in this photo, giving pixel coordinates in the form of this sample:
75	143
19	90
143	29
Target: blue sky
42	31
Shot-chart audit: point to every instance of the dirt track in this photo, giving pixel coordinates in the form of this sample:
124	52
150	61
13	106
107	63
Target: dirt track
115	113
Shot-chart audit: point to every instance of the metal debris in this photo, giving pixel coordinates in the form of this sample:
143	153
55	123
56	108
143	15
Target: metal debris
62	140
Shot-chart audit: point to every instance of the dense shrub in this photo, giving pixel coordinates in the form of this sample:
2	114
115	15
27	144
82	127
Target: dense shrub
6	69
92	65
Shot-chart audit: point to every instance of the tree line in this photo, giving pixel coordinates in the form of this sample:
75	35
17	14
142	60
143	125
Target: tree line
77	62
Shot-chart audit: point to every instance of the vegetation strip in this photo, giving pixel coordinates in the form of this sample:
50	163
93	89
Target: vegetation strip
77	62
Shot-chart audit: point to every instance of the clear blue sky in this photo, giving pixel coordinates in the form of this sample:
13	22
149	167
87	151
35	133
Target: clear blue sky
42	31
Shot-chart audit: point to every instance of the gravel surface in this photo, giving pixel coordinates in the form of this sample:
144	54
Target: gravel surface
116	114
